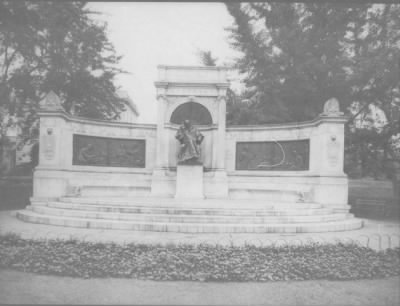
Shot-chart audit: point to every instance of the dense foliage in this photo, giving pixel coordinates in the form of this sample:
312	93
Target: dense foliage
237	111
197	263
58	46
298	55
295	56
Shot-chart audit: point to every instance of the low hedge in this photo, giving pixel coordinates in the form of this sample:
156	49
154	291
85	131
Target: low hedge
197	263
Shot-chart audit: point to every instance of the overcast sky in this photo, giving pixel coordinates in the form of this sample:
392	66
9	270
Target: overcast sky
151	34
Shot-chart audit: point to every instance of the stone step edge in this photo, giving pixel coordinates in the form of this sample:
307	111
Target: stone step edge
166	201
142	216
193	204
195	212
180	210
115	186
32	217
147	199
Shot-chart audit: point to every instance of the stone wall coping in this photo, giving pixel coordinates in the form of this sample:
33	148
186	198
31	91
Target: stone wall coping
175	67
191	83
305	124
295	125
259	173
89	121
256	173
97	169
191	74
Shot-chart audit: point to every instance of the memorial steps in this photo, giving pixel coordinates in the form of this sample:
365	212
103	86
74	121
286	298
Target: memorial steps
109	191
188	216
181	218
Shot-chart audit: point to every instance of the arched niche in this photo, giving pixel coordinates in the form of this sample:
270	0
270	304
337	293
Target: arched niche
195	112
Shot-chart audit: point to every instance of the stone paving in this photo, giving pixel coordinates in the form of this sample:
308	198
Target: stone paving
28	288
375	234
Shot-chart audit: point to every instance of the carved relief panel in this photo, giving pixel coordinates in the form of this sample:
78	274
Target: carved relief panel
290	155
108	152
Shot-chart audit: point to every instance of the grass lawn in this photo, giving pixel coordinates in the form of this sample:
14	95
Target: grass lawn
370	188
15	192
373	199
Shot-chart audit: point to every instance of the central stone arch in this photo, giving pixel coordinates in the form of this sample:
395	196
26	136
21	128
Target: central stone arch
195	112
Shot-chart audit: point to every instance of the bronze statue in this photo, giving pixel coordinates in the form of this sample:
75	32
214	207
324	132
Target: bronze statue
190	139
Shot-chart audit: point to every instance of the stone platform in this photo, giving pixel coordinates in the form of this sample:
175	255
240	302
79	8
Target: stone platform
187	216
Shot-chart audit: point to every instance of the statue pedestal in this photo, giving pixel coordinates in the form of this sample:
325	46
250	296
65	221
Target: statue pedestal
189	182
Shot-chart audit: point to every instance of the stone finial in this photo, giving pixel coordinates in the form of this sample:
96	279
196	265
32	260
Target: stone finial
51	102
332	108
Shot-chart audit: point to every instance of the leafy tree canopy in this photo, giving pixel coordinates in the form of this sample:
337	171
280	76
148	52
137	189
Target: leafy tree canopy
206	58
237	110
298	55
56	46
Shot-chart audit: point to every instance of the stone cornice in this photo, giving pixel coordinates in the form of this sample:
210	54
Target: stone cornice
172	67
295	125
95	169
69	118
294	174
216	83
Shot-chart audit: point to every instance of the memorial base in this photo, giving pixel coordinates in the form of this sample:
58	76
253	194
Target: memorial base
162	184
189	182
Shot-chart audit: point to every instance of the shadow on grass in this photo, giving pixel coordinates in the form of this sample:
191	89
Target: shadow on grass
15	192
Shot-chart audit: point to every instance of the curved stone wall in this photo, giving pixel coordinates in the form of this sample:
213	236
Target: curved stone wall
323	181
58	175
296	162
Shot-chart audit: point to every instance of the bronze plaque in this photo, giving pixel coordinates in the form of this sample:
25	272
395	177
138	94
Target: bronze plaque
108	152
290	155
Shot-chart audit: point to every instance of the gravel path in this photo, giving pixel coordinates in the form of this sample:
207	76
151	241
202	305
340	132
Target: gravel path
27	288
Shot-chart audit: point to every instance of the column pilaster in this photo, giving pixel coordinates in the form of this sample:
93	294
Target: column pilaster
221	133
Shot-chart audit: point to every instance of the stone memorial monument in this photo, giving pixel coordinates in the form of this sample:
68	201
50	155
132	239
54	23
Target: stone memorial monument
189	172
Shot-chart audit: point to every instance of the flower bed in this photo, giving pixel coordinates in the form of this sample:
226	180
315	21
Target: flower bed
197	263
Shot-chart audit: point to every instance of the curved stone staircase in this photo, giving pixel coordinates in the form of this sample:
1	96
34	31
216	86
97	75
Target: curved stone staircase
188	216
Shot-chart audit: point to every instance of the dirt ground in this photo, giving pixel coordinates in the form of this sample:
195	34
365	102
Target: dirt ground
27	288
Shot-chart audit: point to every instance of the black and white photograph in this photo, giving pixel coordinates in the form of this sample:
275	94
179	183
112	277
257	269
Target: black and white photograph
200	153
